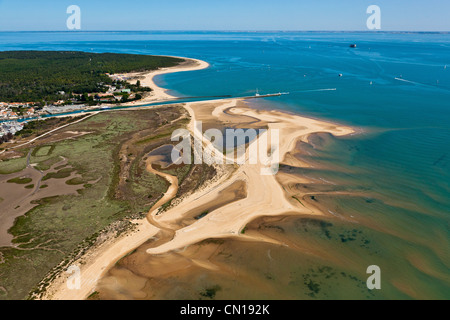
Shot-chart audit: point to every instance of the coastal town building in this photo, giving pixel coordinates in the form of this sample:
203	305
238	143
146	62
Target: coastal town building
10	127
14	111
51	109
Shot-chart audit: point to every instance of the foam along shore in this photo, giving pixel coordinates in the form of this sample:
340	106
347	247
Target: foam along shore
265	194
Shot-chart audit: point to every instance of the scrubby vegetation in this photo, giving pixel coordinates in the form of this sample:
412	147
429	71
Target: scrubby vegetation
42	126
20	180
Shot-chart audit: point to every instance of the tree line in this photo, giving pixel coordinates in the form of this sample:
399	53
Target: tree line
33	76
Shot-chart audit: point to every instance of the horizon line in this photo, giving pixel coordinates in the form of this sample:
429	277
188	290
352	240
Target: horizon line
237	31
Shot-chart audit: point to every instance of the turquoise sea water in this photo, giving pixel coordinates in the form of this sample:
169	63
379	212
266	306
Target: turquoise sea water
394	87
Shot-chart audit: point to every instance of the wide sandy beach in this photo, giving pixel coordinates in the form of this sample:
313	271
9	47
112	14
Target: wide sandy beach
265	194
158	93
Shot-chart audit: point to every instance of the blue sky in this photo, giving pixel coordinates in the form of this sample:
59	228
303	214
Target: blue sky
402	15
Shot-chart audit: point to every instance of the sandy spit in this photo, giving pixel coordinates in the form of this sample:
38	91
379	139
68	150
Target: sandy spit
265	195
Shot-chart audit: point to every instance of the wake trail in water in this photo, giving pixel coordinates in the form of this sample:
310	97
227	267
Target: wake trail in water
422	84
314	90
409	81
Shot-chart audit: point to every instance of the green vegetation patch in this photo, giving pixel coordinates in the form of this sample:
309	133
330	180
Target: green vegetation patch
13	165
210	293
61	174
20	180
75	181
42	151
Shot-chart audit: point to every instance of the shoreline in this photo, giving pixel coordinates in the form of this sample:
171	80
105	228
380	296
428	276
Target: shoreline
147	79
265	193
